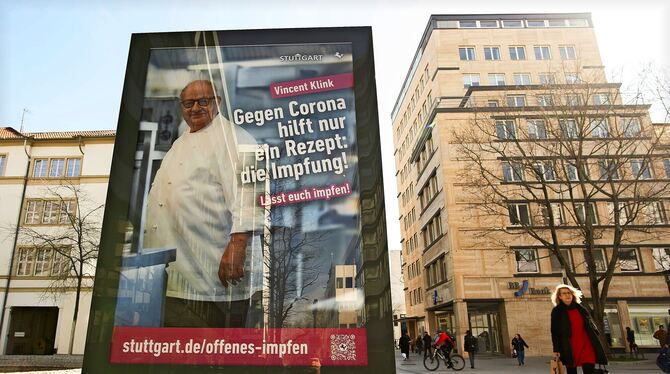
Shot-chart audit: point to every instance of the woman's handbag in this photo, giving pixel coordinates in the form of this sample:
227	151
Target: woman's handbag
514	354
601	369
555	366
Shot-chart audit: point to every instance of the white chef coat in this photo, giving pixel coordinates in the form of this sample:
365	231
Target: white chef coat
196	201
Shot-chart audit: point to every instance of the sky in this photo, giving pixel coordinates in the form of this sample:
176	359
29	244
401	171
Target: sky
65	61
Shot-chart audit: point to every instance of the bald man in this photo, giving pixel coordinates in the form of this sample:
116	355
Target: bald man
197	205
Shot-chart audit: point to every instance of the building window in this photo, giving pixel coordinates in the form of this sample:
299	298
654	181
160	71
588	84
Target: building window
340	282
544	171
556	23
628	259
640	169
572	174
512	172
67	210
655	213
49	212
488	24
470	80
516	100
467	24
40	167
623	213
512	24
608	170
630	127
556	212
578	22
666	168
466	53
598	128
537	129
601	99
3	164
567	52
573	100
556	265
40	262
535	23
517	53
598	259
496	79
56	167
519	214
432	230
73	167
568	128
542	52
505	129
521	79
545	100
526	261
492	53
572	78
547	78
349	282
661	258
580	213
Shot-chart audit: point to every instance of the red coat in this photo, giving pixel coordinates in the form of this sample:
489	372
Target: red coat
582	349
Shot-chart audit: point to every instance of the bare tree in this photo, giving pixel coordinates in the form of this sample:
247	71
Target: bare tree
292	263
540	161
72	242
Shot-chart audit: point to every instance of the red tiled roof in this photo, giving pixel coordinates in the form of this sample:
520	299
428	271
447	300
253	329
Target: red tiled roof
10	133
70	134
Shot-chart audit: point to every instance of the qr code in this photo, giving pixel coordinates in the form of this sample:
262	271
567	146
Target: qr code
343	347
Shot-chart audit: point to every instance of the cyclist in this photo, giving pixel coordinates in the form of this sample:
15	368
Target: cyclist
446	344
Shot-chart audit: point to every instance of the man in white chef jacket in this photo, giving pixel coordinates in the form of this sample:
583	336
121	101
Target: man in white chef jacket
198	205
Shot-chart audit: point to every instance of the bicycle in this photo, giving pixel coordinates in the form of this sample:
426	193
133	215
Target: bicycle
455	361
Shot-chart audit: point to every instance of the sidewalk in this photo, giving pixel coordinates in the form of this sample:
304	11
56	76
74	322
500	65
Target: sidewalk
539	365
483	365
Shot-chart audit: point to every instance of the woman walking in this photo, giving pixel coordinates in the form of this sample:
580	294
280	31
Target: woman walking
573	334
518	345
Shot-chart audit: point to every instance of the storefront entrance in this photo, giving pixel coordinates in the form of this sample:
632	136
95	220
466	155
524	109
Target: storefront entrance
485	325
32	331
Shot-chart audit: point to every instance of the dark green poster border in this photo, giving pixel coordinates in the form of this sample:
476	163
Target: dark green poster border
374	256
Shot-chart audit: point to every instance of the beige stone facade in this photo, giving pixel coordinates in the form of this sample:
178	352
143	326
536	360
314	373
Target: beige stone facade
33	168
456	278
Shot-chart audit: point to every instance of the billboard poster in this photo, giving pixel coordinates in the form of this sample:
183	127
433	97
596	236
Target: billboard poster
244	226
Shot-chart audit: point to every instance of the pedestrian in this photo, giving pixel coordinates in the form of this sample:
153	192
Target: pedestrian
427	342
470	346
573	333
661	335
518	344
630	338
419	344
404	345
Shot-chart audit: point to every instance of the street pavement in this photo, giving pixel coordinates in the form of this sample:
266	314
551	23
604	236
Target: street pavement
483	365
498	364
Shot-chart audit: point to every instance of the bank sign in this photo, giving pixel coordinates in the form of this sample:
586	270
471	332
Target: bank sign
246	174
